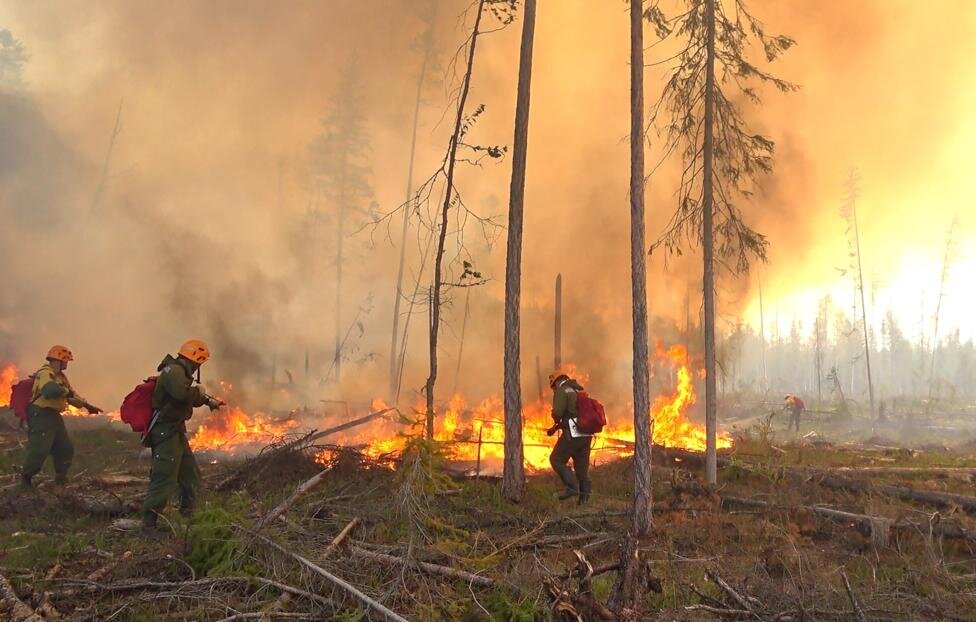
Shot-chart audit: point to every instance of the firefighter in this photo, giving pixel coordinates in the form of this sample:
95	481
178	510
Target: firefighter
173	465
795	406
46	434
572	443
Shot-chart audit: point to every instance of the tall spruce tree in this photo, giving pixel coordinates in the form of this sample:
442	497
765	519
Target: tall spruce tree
699	113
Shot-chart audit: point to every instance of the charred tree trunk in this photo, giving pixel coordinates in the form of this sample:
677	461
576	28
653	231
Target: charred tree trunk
116	130
435	312
864	311
557	342
513	476
398	293
464	330
708	280
340	234
643	425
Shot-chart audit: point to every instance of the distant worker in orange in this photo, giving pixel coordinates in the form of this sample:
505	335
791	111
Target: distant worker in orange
572	444
46	434
795	406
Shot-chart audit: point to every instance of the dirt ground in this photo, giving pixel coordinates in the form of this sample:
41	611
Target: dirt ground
764	545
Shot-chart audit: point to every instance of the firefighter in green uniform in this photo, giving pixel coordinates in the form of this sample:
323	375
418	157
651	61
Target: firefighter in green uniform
173	464
46	434
572	444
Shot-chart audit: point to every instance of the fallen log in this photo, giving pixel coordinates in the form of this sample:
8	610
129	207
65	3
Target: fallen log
902	470
427	567
364	600
942	499
102	572
722	583
877	526
303	488
15	608
550	540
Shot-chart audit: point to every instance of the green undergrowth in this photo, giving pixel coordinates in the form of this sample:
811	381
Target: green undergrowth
215	543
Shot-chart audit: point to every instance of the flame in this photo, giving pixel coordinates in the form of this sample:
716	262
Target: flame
8	376
477	433
231	426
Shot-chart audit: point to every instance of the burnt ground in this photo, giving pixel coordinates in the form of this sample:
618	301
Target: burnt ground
763	533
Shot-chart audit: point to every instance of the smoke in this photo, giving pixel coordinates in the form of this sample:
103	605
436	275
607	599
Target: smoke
203	230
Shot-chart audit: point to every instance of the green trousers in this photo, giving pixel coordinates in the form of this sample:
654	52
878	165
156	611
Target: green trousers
173	468
46	435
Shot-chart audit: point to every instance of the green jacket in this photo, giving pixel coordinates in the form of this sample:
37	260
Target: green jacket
175	396
564	401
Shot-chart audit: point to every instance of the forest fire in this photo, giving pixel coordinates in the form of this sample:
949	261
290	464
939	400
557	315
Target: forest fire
8	376
477	434
229	427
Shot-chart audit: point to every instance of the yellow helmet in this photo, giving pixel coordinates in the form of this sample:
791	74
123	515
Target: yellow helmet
60	353
196	351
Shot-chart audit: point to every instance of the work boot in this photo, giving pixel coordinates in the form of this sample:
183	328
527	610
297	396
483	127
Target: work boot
569	493
60	479
25	483
149	525
186	512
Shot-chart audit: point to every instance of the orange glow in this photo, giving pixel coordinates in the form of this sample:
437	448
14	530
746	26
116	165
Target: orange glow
8	376
478	431
230	426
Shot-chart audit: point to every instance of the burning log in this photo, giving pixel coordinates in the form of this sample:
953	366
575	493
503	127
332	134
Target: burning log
15	608
349	424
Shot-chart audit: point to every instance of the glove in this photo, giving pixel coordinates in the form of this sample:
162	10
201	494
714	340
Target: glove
552	430
215	402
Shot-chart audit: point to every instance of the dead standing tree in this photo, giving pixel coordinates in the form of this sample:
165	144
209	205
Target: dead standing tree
425	42
946	259
513	473
721	158
849	213
341	175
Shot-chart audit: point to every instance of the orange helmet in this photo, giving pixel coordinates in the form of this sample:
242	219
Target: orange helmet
196	351
60	353
554	377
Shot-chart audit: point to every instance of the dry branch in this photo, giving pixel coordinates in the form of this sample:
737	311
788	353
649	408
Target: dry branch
339	538
362	598
719	581
303	488
858	612
210	583
102	572
427	567
18	611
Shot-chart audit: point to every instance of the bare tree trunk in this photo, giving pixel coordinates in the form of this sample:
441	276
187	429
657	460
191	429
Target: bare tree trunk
340	234
864	310
818	359
464	329
762	339
435	314
513	474
116	130
708	284
398	294
643	425
938	312
557	342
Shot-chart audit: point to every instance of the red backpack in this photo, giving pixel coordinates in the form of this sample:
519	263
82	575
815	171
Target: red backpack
137	409
591	418
21	396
